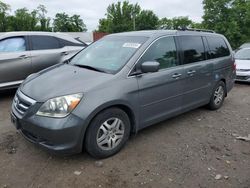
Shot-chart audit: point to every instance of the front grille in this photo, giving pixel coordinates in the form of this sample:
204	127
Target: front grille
243	70
22	103
242	77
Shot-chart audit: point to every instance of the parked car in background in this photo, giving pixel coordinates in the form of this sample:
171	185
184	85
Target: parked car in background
121	84
242	59
245	45
24	53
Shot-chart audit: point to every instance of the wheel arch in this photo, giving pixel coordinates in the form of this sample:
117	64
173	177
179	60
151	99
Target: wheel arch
224	80
121	105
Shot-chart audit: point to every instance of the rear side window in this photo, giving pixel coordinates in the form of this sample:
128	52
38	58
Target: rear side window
218	47
193	49
163	51
13	44
69	43
44	43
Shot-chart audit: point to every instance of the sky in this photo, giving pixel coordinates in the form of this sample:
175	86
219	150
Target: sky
92	10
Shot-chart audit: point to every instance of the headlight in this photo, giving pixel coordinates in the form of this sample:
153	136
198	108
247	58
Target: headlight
60	106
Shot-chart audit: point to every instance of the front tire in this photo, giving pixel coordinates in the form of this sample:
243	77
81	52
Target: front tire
218	96
107	133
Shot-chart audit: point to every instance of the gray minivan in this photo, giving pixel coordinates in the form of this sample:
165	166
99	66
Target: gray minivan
121	84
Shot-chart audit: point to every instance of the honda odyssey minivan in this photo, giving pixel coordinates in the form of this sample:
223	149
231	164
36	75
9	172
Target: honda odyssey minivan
120	85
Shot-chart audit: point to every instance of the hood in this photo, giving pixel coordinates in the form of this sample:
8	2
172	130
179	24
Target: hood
61	80
242	64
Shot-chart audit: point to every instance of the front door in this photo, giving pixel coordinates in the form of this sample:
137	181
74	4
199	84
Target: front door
160	93
15	62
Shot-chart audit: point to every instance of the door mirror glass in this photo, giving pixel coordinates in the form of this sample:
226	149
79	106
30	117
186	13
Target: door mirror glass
150	66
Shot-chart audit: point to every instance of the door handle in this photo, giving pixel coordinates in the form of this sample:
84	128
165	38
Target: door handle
176	76
191	72
65	53
23	56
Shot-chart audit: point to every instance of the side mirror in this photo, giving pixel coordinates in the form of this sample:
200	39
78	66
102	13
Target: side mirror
150	66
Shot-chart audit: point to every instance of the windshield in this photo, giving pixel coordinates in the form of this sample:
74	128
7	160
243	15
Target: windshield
109	54
243	54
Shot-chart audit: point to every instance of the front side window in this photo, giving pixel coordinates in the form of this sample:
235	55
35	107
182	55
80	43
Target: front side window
14	44
109	54
44	42
218	47
193	49
163	51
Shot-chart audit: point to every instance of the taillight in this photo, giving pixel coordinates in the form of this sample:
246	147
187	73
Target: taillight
234	64
234	67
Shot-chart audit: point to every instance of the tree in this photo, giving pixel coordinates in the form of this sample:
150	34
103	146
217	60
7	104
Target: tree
44	21
77	24
146	20
165	23
175	23
4	8
228	17
23	20
120	17
64	23
61	22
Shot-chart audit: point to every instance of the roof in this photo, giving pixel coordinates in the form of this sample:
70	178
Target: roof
158	33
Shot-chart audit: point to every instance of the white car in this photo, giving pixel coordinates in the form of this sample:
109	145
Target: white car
242	59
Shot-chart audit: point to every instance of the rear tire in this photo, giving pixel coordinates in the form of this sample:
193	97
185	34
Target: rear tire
107	133
218	96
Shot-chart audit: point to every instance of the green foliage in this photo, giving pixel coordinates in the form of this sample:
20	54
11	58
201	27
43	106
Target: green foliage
146	20
64	23
23	20
120	17
4	8
37	20
175	23
228	17
127	17
44	21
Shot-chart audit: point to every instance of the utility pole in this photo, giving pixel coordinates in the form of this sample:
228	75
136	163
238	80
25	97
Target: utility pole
134	21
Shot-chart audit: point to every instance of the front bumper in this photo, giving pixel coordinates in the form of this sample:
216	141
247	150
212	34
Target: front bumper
242	76
59	135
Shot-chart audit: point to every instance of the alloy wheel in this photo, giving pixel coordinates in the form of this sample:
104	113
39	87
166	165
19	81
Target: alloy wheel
110	134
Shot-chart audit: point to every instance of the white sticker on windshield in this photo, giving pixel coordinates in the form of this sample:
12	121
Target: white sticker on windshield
131	45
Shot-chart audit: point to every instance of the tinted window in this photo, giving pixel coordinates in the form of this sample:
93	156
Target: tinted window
162	51
218	47
44	43
69	43
15	44
193	49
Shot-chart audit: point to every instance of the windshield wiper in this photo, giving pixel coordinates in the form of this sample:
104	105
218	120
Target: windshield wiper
90	68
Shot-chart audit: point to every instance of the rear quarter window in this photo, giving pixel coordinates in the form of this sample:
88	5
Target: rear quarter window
217	47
